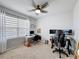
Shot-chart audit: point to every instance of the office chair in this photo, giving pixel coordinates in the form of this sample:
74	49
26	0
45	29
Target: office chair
54	42
70	45
61	44
36	38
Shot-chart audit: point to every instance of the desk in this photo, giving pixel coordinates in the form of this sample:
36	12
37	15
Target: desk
28	41
29	37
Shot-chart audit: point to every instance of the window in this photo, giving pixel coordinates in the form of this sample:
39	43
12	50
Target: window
23	27
10	27
13	27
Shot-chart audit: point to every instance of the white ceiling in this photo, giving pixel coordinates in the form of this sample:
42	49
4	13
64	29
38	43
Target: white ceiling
55	6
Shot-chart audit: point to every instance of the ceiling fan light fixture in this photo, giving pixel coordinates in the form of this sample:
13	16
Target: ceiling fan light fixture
37	11
38	8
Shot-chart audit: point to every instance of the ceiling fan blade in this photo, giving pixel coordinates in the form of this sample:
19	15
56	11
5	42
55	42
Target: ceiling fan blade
44	5
32	10
34	4
43	11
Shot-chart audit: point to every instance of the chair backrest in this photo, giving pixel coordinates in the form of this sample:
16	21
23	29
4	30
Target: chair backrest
55	39
56	42
62	40
37	37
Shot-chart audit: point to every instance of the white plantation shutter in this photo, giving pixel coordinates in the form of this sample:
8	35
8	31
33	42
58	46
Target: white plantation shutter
22	31
2	32
11	27
0	26
23	26
22	23
16	27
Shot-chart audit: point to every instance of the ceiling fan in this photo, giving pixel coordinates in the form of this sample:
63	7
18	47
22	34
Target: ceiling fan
39	8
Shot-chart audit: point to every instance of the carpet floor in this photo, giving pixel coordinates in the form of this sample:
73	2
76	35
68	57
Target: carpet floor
38	51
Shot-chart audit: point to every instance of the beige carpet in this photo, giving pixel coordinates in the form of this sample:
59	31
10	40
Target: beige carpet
39	51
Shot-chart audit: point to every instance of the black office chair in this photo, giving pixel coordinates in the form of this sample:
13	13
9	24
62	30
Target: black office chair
61	44
36	38
53	41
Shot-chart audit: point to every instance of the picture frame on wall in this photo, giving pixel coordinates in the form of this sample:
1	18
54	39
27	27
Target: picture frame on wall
39	30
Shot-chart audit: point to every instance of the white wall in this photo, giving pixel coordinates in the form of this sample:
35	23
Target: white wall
33	24
76	20
56	21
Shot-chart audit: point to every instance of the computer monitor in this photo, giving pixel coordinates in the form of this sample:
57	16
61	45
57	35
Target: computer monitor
70	32
31	32
52	31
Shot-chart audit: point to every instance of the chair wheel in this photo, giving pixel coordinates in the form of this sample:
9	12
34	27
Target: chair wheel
53	51
67	56
59	56
51	47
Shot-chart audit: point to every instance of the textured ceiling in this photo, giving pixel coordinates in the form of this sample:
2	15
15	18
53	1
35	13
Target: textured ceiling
55	6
